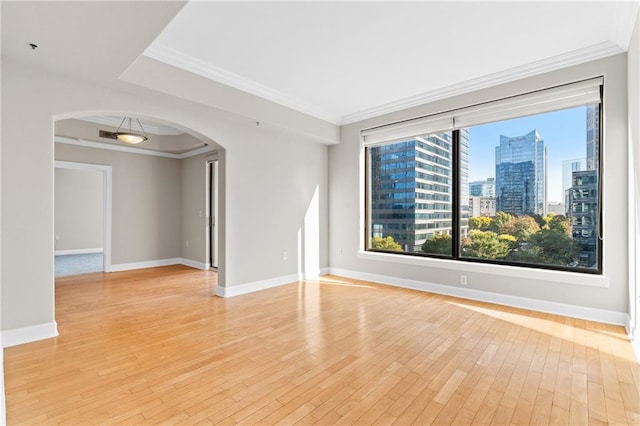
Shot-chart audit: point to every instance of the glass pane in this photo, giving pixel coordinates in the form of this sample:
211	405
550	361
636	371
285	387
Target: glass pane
410	195
533	190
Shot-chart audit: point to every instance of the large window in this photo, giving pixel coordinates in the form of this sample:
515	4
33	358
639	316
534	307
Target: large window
515	181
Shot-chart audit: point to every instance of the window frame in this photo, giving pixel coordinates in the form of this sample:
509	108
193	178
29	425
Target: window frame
592	276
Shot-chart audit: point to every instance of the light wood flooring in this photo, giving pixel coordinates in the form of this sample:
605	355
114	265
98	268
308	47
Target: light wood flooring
156	347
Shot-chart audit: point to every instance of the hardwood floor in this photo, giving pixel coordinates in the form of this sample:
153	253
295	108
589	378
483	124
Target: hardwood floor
154	346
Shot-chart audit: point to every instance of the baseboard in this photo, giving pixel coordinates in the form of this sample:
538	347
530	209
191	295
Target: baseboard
78	251
195	264
19	336
238	290
146	264
582	312
313	274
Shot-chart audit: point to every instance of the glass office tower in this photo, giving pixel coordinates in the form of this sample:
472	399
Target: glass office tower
521	174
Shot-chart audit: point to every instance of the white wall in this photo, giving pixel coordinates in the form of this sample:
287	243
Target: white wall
269	180
546	288
78	209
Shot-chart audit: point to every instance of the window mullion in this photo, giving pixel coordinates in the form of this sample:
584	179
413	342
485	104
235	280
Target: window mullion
455	194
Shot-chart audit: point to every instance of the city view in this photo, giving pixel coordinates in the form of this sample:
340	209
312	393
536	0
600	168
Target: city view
528	192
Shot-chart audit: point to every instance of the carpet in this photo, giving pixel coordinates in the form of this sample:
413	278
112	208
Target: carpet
75	264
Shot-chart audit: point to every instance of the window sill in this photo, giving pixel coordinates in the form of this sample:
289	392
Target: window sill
506	270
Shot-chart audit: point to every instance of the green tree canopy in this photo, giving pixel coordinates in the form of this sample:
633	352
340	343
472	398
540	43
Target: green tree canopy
438	244
386	243
560	223
525	227
554	246
503	223
486	245
482	223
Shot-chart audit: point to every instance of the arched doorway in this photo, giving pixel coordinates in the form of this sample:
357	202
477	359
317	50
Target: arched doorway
160	208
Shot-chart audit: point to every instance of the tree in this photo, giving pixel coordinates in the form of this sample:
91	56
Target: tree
438	244
503	223
554	246
486	245
386	243
525	227
560	223
482	223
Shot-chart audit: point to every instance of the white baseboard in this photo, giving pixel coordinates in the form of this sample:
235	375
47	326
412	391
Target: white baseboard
18	336
78	251
159	262
313	274
574	311
194	264
146	264
238	290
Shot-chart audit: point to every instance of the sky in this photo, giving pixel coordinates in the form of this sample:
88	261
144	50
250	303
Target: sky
563	132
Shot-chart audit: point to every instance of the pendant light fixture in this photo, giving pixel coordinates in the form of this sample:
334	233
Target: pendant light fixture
130	137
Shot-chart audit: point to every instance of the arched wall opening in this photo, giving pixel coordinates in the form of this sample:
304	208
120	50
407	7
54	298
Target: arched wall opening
162	195
160	207
268	175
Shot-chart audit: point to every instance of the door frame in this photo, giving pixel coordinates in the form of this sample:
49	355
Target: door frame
107	199
212	200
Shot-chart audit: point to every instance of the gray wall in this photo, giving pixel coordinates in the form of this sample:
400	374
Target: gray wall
345	170
269	179
78	209
194	211
146	209
633	60
3	416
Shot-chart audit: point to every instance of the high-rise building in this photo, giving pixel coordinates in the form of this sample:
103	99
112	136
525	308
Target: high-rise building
412	188
568	167
584	214
521	174
582	205
483	188
593	136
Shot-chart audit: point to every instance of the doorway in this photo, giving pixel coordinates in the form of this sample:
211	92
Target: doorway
212	211
82	234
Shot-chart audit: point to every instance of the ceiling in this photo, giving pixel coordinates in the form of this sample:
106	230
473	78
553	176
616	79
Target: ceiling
344	61
310	66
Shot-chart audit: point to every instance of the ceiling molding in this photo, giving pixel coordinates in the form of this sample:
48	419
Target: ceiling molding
186	62
153	128
623	23
575	57
132	150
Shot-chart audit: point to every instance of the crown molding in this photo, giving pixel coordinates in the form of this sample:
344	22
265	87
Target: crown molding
153	128
624	19
178	59
622	37
130	149
575	57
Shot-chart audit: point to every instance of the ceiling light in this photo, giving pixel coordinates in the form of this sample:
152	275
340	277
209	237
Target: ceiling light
130	137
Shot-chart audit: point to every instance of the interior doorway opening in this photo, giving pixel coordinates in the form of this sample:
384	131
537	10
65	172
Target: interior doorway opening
83	218
212	211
